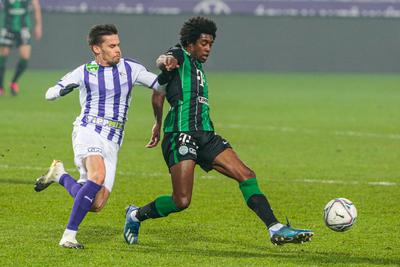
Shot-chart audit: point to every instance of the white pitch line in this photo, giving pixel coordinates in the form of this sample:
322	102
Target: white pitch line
312	131
165	174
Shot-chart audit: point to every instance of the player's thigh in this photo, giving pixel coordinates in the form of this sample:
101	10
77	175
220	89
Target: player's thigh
88	154
210	146
110	161
25	51
182	176
96	168
229	164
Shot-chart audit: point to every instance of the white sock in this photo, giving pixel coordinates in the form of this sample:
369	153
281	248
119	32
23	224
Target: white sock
58	176
275	228
133	216
70	235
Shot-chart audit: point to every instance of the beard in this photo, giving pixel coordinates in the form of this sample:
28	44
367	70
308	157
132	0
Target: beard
114	61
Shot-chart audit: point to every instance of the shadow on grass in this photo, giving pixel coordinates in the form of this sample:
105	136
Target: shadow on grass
179	240
17	181
102	233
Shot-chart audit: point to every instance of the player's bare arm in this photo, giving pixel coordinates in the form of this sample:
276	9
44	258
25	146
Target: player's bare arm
157	103
38	19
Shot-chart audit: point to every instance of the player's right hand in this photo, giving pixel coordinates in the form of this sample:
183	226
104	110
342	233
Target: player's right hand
155	136
68	89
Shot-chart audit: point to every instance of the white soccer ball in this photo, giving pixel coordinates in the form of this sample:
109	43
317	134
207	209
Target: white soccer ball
340	214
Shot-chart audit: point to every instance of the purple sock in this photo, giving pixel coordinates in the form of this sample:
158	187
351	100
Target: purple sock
70	184
83	201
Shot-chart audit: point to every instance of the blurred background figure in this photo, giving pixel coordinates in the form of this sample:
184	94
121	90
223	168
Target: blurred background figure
16	31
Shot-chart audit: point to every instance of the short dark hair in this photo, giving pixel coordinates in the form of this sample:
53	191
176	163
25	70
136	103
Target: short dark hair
98	31
194	27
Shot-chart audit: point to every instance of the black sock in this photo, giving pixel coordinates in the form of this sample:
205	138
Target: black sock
21	67
260	205
3	60
148	211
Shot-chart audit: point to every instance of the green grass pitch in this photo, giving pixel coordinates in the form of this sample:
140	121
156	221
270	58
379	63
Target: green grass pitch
309	138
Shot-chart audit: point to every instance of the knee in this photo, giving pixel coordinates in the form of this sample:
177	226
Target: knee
247	173
182	202
96	207
250	173
99	202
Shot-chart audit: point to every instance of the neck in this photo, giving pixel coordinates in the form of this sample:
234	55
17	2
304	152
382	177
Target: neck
100	61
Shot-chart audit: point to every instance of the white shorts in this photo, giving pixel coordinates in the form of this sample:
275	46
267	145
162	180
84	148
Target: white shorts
87	142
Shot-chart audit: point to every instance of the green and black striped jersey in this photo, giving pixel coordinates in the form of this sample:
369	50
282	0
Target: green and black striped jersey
15	14
187	93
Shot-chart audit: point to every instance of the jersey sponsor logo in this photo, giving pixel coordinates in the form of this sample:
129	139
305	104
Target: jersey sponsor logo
200	77
184	138
91	68
183	150
203	100
95	149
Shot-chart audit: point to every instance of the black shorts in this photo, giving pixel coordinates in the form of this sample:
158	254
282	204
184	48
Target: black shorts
10	38
202	147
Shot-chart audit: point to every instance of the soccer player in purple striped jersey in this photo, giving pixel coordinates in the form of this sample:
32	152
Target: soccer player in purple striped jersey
105	85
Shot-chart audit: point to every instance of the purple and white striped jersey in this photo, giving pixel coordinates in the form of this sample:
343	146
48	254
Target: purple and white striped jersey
105	94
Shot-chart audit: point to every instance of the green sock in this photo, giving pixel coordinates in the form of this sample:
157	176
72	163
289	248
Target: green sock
21	67
3	61
249	188
165	205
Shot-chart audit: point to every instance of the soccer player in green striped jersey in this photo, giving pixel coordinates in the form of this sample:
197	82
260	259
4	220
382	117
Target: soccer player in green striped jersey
189	138
16	30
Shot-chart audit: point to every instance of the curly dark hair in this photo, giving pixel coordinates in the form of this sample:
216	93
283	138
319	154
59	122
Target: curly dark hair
98	31
194	27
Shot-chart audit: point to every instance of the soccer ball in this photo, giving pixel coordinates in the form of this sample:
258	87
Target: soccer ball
340	214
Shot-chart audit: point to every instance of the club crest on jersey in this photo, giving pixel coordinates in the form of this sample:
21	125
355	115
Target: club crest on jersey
91	68
183	150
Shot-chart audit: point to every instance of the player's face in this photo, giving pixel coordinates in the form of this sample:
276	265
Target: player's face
202	48
108	52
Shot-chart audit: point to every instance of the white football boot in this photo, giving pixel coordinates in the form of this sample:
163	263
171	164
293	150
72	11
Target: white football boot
69	240
54	173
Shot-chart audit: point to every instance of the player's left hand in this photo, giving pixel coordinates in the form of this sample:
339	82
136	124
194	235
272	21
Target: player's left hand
155	136
167	62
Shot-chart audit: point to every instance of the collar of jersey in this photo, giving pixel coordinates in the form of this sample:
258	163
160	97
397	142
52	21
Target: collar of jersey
186	52
101	66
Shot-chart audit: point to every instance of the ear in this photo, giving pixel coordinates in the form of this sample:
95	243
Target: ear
190	47
96	49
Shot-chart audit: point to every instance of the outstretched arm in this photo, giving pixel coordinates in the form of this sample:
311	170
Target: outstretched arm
157	101
66	85
57	91
38	19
